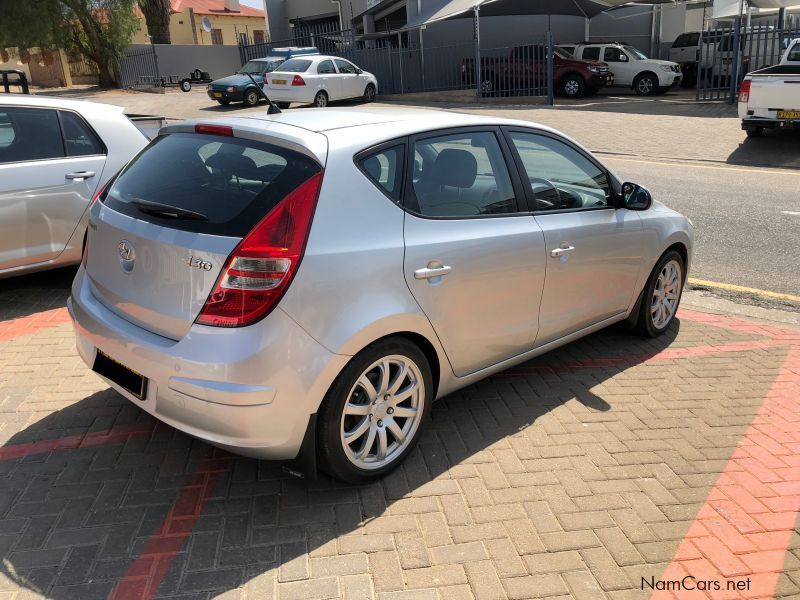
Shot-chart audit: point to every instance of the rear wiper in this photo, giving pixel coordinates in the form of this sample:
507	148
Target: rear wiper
165	210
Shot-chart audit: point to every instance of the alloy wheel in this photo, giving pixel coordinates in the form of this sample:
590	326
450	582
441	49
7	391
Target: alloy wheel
382	412
571	88
666	294
645	85
487	86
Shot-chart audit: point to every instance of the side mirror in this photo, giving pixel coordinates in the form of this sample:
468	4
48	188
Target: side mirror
358	71
623	57
635	197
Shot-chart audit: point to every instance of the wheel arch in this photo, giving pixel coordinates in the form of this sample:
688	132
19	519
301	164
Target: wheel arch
568	74
642	74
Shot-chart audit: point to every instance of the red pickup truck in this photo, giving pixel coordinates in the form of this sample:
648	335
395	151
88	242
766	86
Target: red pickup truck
525	70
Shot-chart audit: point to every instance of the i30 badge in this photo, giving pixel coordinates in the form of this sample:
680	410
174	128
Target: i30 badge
127	255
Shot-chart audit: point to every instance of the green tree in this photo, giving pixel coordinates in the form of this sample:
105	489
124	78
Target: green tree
100	30
156	15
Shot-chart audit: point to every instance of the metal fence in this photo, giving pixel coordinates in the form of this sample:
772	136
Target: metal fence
725	56
403	66
139	69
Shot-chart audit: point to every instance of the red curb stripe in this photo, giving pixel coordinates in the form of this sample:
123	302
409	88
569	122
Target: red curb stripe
144	576
15	328
739	325
746	524
72	442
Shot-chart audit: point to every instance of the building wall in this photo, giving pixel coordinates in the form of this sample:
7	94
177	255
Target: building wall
184	28
180	59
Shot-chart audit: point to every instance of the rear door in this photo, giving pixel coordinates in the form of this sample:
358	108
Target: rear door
474	260
50	164
329	79
594	252
160	237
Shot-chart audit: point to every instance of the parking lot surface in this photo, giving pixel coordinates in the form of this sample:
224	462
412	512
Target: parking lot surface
605	469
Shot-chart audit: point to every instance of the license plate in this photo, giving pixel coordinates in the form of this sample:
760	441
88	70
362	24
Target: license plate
279	81
217	94
126	378
609	82
789	114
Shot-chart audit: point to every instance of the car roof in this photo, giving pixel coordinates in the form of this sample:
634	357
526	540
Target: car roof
56	102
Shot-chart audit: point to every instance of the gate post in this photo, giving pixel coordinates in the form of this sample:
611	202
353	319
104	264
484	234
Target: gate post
477	22
155	62
550	95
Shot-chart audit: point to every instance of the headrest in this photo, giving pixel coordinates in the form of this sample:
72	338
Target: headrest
233	164
455	168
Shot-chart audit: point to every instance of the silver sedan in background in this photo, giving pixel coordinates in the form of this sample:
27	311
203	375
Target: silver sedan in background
54	155
307	283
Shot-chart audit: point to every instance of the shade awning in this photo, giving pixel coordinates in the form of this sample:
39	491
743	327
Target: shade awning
725	9
499	8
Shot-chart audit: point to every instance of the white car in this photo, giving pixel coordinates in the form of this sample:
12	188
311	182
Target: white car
318	80
55	155
630	67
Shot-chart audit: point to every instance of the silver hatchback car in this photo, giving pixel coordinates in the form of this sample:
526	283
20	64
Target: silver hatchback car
307	283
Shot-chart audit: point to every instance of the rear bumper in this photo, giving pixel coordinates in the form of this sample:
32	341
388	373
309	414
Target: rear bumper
756	123
300	94
250	390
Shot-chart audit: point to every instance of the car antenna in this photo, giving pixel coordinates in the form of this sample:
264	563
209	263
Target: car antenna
273	108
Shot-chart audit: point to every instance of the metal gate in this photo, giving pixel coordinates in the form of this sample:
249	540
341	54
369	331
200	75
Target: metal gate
139	69
725	56
405	66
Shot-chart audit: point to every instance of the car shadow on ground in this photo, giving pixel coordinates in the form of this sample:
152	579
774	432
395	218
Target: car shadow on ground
25	295
773	149
76	521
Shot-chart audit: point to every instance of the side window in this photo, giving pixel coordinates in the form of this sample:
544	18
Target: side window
461	175
570	49
29	134
385	169
694	39
326	67
344	66
592	53
561	178
794	53
611	55
78	138
682	40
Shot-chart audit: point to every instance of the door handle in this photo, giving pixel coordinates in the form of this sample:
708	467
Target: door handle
80	175
431	272
561	251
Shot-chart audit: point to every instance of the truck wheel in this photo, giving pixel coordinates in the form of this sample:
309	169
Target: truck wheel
755	132
251	97
573	86
646	84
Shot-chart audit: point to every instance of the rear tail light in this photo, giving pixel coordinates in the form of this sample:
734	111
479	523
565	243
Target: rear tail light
259	270
744	91
225	130
298	80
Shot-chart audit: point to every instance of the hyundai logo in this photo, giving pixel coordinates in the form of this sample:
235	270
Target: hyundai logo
127	255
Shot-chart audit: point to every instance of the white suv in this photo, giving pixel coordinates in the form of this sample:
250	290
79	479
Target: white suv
630	67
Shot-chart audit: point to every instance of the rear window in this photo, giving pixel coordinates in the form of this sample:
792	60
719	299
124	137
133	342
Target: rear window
206	183
295	65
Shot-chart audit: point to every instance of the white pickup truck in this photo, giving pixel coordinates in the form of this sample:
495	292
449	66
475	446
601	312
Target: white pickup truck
770	97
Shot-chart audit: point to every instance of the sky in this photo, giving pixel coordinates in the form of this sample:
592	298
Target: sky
254	3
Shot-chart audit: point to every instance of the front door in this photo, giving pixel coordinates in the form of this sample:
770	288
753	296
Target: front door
594	252
473	261
46	181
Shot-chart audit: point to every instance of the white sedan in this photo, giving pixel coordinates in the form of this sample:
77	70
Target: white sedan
318	80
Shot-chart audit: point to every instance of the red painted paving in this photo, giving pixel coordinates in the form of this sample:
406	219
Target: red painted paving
14	328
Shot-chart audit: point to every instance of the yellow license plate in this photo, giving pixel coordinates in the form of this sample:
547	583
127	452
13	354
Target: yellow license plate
217	94
789	114
279	81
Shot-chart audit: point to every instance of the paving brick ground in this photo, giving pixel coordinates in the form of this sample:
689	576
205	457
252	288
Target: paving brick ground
579	474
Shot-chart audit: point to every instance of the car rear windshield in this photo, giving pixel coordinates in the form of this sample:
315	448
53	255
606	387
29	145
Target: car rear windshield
207	183
295	65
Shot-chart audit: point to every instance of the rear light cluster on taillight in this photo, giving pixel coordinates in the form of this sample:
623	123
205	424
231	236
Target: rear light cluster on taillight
298	80
261	267
744	91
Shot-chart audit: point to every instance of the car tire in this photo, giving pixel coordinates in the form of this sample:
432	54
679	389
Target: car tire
186	85
755	132
321	100
224	102
657	309
488	86
251	97
283	105
369	93
359	407
645	84
573	86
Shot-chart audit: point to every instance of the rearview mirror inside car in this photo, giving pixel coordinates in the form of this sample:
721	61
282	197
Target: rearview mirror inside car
635	197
